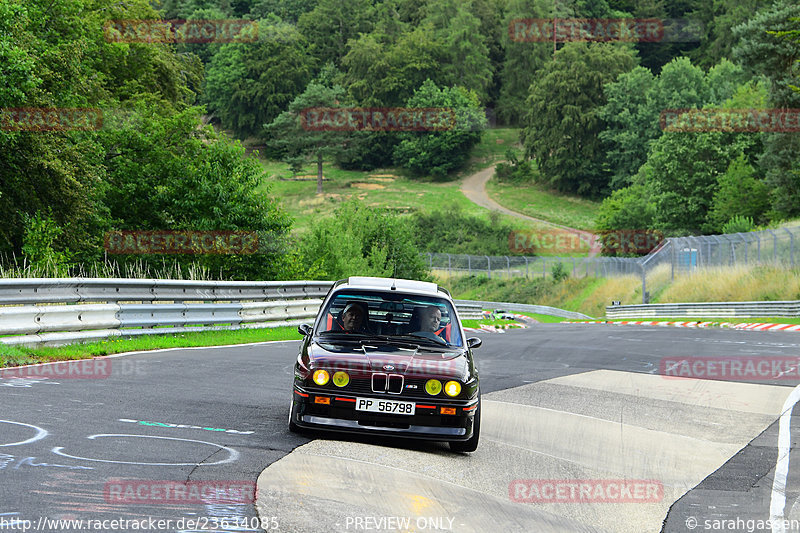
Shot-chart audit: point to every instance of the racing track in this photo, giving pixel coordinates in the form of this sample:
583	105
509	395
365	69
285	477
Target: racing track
562	401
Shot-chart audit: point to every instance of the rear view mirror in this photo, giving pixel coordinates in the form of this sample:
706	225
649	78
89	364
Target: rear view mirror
474	342
304	330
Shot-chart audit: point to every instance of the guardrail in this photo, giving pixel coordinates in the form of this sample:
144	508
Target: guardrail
707	309
526	308
40	311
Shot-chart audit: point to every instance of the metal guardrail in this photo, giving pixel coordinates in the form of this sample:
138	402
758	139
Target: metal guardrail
707	309
62	311
527	308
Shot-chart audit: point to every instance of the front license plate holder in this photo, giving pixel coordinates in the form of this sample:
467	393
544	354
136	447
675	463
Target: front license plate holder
389	407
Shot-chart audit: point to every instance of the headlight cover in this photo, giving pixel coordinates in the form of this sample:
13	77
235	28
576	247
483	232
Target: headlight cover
341	379
452	388
321	377
433	387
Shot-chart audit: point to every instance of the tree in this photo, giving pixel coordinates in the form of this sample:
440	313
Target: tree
740	193
288	135
332	23
467	63
763	50
683	172
362	241
436	153
563	122
249	84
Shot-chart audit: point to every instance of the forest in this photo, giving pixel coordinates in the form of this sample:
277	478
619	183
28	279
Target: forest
170	152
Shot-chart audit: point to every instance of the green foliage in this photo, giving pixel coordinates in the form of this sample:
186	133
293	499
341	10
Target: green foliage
439	152
740	194
765	47
287	135
450	230
559	272
41	233
332	23
250	84
362	241
516	170
627	208
563	121
739	224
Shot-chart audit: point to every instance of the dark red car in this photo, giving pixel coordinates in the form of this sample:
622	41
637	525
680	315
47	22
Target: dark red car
389	357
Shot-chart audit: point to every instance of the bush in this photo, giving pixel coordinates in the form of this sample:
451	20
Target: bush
739	224
439	152
362	241
450	230
515	170
559	273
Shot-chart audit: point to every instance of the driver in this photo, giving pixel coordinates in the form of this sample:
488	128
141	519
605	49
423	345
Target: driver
353	318
430	318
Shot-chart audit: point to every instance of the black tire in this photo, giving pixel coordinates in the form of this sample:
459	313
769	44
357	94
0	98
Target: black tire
472	444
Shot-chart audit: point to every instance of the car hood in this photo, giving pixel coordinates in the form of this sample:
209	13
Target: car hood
422	362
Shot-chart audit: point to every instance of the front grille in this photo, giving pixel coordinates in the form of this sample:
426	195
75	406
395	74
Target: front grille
395	384
378	382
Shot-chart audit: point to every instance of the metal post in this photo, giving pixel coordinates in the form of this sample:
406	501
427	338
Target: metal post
449	269
791	246
644	285
469	264
488	267
573	267
774	246
508	267
672	263
759	247
526	266
544	267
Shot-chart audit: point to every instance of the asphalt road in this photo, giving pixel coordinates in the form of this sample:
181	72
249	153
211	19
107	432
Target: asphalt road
562	402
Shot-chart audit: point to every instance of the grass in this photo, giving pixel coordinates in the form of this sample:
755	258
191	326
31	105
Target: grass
591	295
476	323
389	188
19	355
539	202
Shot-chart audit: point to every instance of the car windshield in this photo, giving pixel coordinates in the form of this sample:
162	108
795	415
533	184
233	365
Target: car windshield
423	319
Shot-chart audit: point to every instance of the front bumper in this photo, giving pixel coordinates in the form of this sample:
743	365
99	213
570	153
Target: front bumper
340	414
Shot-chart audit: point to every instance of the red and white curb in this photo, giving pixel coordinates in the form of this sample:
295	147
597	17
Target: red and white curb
757	326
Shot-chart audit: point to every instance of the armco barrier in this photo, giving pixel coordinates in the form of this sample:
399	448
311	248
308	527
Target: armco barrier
706	309
525	308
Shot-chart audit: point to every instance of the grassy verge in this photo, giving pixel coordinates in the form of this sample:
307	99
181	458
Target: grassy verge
476	323
539	202
389	188
591	295
14	356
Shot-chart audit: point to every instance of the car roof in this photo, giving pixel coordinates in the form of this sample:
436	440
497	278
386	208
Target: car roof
403	285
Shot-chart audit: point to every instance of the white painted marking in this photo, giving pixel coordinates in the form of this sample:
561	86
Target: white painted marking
234	455
40	433
777	500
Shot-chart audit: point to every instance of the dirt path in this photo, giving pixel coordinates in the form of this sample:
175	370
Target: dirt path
474	188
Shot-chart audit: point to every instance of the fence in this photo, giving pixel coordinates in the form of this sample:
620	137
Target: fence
680	254
706	309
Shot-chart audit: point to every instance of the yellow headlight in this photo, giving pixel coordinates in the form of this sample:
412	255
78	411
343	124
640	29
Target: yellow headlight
433	387
340	379
452	388
321	377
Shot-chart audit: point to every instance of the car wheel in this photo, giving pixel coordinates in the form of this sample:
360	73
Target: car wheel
294	428
472	444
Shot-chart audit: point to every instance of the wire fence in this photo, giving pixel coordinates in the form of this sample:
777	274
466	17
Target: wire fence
682	255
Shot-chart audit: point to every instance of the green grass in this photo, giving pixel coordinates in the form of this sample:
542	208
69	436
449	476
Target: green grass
14	356
547	319
539	202
388	188
476	323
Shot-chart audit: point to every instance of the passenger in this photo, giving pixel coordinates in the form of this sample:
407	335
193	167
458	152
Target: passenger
430	319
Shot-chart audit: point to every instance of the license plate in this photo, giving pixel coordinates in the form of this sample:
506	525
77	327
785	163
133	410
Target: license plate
394	407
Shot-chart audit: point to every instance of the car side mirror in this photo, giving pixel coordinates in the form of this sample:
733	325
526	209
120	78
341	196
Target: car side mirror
304	330
474	342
